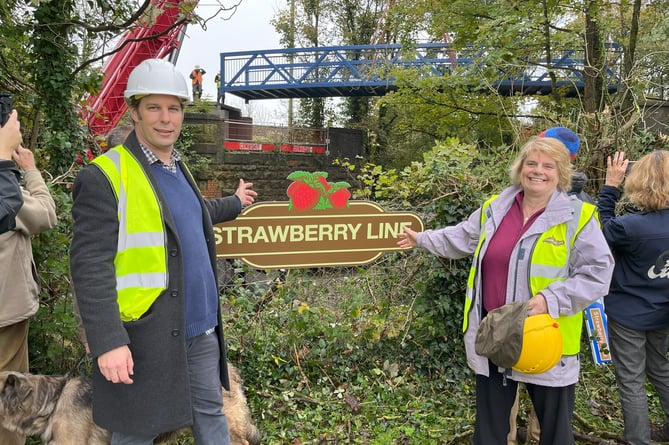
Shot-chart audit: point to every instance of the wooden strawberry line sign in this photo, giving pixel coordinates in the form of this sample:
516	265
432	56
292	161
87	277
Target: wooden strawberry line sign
319	226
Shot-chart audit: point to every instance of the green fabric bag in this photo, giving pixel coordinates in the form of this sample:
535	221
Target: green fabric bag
500	335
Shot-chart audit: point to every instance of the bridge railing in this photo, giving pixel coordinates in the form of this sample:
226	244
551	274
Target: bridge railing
368	69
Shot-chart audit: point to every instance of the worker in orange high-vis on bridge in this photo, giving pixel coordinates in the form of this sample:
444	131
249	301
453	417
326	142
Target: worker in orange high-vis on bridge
196	79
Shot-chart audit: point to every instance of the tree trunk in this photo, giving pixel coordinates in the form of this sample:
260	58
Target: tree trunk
627	105
594	60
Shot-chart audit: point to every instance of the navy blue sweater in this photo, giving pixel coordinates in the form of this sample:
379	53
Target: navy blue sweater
639	294
201	295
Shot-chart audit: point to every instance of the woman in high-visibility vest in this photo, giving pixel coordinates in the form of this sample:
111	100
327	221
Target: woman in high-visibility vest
534	243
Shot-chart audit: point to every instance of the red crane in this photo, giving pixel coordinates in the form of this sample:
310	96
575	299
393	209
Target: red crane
160	38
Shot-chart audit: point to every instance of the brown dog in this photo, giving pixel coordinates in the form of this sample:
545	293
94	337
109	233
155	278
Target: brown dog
242	429
56	408
59	410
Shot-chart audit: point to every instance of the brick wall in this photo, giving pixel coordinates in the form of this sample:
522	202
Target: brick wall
211	189
267	170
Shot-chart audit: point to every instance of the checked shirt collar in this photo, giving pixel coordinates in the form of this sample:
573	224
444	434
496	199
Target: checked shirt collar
153	159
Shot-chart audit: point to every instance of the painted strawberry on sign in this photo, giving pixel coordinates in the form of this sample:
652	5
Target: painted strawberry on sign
302	196
339	199
313	191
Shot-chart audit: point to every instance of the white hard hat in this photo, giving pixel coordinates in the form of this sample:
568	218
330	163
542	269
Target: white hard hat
156	76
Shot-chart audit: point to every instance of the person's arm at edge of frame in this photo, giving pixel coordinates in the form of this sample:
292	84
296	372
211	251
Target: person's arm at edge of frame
11	198
38	213
94	244
614	232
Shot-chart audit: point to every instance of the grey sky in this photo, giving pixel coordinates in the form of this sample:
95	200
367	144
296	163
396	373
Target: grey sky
249	28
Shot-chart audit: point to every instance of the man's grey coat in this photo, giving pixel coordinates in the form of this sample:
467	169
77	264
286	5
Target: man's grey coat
159	399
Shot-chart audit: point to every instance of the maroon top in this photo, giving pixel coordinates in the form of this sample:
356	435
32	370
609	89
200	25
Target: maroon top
495	263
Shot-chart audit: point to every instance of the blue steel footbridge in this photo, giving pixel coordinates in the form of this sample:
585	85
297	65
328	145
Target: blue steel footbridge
370	70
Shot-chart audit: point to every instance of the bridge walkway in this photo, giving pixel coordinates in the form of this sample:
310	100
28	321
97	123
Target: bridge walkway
370	70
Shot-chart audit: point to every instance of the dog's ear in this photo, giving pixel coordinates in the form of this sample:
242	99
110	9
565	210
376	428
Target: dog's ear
8	383
16	389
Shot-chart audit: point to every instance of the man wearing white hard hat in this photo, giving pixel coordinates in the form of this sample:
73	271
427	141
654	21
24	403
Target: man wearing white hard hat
142	261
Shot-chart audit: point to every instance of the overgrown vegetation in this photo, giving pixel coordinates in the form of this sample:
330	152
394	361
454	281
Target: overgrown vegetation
349	357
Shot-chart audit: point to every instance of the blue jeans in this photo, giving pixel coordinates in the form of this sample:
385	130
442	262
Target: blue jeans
210	426
635	355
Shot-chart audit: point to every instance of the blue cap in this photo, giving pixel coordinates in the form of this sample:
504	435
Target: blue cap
564	135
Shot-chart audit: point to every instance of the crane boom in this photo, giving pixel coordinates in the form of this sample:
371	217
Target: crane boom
159	39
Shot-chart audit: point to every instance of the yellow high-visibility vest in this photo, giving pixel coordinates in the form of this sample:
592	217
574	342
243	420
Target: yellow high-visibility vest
141	255
549	262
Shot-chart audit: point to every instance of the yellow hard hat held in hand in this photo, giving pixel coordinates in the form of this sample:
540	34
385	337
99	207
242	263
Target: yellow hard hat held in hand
511	339
542	345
